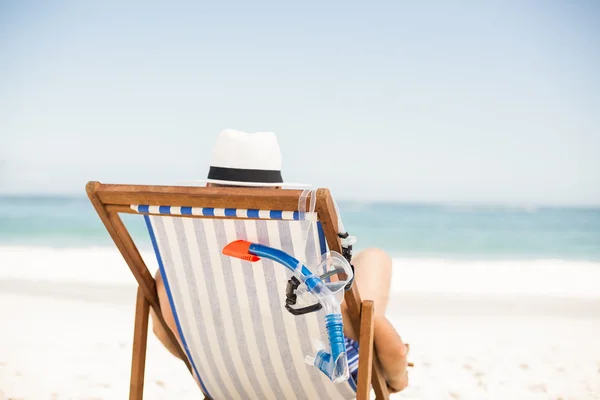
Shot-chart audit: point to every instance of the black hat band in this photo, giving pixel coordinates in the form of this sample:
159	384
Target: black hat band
244	175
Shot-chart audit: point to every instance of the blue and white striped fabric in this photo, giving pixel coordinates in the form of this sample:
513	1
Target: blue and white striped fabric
230	313
225	212
352	353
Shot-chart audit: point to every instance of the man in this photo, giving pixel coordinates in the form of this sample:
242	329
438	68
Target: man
254	160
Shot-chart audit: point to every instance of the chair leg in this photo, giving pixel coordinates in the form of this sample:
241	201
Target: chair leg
140	340
365	352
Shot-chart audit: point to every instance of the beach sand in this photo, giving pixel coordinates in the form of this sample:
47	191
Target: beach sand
73	341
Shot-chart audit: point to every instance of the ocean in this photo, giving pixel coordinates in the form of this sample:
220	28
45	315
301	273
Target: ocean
480	250
403	230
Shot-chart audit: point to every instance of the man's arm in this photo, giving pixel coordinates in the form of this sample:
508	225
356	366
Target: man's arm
162	335
392	353
157	327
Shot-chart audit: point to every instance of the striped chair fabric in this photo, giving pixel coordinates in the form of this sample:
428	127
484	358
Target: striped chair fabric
230	313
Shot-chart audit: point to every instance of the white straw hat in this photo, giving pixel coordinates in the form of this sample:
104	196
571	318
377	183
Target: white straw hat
246	159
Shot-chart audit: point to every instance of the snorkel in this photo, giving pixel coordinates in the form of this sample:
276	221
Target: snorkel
335	363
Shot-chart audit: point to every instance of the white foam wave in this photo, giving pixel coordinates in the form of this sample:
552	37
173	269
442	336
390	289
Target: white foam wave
539	277
101	265
561	278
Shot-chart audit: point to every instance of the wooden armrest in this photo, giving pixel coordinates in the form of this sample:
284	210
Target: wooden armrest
365	352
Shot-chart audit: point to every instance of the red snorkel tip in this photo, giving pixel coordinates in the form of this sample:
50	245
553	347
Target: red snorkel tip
240	249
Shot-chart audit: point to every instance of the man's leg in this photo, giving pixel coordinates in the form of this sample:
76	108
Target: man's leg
373	275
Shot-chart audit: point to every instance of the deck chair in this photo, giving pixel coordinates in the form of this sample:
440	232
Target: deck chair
239	342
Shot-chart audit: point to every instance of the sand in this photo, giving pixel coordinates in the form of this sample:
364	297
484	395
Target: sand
73	341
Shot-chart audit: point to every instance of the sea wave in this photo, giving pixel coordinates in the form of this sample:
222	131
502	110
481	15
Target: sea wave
543	277
557	278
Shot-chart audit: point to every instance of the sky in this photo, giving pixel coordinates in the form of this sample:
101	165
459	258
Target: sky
410	101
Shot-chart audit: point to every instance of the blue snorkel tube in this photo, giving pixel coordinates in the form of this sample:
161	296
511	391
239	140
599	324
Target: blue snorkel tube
334	364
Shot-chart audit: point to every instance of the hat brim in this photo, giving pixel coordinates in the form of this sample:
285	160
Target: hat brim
253	184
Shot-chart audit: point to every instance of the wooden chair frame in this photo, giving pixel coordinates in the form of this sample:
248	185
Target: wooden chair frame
110	200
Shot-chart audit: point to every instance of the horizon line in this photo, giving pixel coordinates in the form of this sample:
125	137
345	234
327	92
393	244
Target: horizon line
445	203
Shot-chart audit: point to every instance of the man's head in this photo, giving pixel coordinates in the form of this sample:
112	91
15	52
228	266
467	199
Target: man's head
241	159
